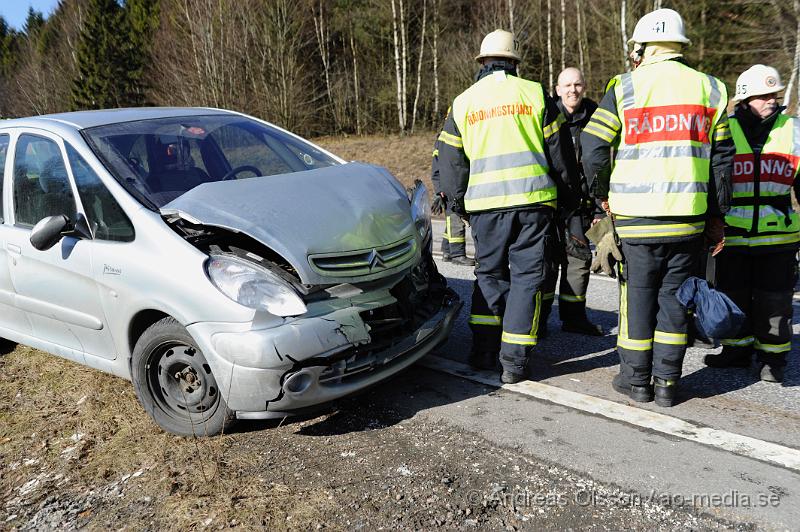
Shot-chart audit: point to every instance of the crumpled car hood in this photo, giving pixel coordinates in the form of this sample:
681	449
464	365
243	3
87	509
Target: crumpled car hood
342	208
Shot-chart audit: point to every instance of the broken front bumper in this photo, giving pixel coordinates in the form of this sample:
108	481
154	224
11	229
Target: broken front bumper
282	370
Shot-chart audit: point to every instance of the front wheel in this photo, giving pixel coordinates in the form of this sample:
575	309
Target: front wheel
174	382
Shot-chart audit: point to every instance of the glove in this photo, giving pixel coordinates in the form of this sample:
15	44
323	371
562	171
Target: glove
607	250
439	203
715	234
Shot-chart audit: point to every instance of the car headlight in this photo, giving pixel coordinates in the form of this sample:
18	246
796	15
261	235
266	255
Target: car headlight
253	286
421	208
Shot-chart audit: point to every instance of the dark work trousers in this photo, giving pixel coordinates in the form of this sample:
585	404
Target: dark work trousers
762	285
511	250
453	239
652	324
571	289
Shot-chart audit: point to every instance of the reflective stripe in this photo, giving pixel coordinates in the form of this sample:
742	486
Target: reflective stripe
518	339
553	126
738	342
549	295
796	137
608	117
765	186
722	134
436	152
452	140
506	161
509	187
622	338
657	188
627	91
636	151
773	348
714	98
662	337
634	345
571	299
653	231
765	240
482	319
456	240
537	301
764	211
600	131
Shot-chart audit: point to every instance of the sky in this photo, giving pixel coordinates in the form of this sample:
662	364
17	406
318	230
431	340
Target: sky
15	11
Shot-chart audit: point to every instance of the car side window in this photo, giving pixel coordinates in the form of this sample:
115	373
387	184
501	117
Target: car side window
102	211
41	185
4	140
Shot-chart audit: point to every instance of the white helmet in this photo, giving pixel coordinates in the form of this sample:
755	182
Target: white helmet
661	25
757	81
499	43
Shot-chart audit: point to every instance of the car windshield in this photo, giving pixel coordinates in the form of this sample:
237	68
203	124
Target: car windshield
160	159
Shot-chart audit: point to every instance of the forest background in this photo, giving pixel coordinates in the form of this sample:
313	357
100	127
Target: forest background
351	67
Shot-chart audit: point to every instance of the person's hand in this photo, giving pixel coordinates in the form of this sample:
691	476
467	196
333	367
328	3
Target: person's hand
715	234
607	256
605	207
439	203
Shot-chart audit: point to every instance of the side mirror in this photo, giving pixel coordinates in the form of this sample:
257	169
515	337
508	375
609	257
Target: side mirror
48	231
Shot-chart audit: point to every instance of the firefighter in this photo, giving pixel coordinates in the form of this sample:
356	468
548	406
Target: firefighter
573	256
669	185
454	242
501	166
757	268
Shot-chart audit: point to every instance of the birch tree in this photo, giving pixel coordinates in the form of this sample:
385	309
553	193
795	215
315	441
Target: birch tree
400	59
624	30
787	101
549	43
323	34
419	64
563	35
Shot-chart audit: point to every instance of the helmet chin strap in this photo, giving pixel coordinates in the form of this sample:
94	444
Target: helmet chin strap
637	54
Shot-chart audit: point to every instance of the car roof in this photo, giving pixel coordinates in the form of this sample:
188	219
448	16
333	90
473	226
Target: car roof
86	119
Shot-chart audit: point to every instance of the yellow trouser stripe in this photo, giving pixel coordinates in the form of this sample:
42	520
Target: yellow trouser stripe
738	342
573	299
773	348
483	319
518	339
622	338
537	300
662	337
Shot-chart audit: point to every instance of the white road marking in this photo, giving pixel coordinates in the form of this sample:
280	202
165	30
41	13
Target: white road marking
728	441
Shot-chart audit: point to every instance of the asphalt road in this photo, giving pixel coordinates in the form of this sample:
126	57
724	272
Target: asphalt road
626	452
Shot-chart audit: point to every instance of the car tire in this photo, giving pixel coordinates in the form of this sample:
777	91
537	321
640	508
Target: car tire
174	382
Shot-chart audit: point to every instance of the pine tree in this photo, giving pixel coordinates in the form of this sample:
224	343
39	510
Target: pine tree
141	21
103	78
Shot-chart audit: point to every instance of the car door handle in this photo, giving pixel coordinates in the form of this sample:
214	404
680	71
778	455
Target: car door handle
13	248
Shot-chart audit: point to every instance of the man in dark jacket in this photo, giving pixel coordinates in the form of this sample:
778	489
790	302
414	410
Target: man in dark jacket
572	254
454	242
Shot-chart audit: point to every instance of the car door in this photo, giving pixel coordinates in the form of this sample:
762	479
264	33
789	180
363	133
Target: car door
55	287
12	319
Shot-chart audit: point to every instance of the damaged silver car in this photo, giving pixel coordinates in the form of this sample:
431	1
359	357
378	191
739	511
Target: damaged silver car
227	267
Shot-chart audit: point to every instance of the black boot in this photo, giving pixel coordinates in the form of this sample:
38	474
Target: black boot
770	366
640	394
509	377
462	260
483	360
666	390
731	357
583	326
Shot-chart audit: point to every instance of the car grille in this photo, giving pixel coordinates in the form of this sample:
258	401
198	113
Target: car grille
365	261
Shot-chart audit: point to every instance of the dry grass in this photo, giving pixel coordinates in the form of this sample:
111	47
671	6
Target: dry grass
408	157
60	418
